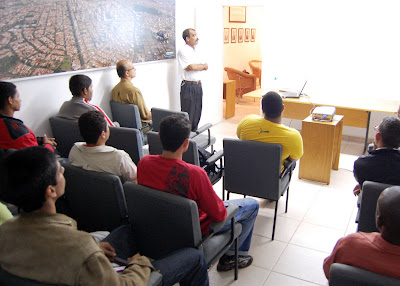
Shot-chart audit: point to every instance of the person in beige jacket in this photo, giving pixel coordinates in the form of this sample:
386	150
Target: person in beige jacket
45	246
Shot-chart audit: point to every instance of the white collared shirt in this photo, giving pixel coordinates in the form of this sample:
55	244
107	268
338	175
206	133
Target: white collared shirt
187	56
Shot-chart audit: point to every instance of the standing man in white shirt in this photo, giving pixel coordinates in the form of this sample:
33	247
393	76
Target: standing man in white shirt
192	67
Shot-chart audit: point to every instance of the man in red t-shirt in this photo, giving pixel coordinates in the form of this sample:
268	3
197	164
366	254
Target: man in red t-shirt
14	134
375	252
169	173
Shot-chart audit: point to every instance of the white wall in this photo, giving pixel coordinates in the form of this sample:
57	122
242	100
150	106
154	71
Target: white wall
159	82
345	49
237	55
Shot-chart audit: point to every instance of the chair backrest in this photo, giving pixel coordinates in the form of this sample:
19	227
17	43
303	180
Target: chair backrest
255	66
12	280
244	82
67	133
162	222
159	114
127	115
370	194
252	167
346	275
191	156
95	200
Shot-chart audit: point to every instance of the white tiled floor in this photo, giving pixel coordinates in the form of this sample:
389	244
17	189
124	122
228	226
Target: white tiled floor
318	215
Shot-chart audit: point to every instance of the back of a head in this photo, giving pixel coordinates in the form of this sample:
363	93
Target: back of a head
389	130
29	172
78	83
91	124
174	130
272	104
389	212
7	89
122	68
186	33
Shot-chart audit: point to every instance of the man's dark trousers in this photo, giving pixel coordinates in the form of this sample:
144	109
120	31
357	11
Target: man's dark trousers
191	101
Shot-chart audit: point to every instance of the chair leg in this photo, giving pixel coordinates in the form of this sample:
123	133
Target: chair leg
273	227
236	259
227	195
223	188
287	199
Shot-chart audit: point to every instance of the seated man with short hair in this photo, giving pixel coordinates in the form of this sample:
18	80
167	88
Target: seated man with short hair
81	88
45	246
126	92
381	165
269	129
94	155
375	252
169	173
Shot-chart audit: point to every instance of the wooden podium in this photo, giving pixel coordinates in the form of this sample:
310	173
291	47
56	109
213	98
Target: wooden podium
229	95
322	142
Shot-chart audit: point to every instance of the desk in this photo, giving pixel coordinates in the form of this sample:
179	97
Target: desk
229	95
322	143
357	112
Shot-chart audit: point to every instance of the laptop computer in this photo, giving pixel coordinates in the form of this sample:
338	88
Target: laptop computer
288	94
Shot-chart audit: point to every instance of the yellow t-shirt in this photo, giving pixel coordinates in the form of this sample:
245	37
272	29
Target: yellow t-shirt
256	128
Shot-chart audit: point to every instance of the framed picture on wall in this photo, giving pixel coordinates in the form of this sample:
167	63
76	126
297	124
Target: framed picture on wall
237	14
226	35
240	35
233	35
247	35
253	35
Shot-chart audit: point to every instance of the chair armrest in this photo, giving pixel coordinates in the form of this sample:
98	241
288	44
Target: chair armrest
203	128
231	210
287	167
215	157
155	279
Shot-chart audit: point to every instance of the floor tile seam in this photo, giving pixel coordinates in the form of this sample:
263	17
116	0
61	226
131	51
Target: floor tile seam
331	228
327	253
298	278
327	226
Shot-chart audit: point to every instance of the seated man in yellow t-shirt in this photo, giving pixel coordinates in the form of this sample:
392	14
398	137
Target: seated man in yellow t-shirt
270	130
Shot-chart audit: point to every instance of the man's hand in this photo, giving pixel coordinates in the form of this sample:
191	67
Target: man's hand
136	256
357	190
196	67
108	250
50	141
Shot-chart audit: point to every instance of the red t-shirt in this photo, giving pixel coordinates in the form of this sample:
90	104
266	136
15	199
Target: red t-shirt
368	251
186	180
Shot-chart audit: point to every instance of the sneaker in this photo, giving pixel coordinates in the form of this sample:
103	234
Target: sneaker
227	262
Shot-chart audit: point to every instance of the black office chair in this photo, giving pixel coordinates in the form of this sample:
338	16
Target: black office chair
127	115
347	275
95	200
66	132
202	140
175	224
254	169
367	208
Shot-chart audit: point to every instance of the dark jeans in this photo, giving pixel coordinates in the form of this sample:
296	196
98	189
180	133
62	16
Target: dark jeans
191	102
186	266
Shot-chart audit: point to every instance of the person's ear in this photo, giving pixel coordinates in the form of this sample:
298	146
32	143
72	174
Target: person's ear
51	192
103	134
10	100
85	91
185	144
283	107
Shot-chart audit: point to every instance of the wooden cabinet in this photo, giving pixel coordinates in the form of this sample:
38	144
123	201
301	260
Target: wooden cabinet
229	95
322	143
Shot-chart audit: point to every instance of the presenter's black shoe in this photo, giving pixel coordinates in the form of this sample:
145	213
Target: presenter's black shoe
227	262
